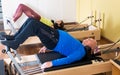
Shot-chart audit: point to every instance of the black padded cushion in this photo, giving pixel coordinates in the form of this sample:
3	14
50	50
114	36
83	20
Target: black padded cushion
48	56
54	55
117	61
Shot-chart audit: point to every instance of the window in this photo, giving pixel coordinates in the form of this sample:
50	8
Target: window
1	10
1	17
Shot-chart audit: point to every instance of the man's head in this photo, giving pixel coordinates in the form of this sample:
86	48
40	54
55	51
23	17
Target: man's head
59	24
92	43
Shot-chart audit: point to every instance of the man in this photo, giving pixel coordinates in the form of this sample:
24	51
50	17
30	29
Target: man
53	39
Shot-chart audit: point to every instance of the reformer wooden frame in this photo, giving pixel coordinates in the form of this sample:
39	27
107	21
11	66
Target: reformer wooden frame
95	68
92	31
100	67
89	69
88	33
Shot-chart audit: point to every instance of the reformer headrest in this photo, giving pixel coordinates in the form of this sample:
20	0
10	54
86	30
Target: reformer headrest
90	56
88	52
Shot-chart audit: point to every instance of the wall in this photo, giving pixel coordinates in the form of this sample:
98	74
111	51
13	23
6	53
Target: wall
52	9
84	10
109	10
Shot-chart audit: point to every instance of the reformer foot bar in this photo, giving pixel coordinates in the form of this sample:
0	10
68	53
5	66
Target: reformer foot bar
19	64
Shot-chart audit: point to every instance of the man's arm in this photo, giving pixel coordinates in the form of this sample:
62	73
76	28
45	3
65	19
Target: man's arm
43	49
27	11
65	60
75	56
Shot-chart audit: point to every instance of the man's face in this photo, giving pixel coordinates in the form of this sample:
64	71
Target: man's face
90	42
58	22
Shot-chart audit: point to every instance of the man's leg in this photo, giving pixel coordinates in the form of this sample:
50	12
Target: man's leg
11	37
25	31
26	10
47	35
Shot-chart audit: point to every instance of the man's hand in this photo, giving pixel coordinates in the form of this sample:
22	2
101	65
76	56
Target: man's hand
43	49
46	65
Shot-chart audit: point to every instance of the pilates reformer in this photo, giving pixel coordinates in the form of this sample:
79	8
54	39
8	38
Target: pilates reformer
95	62
31	63
78	26
81	68
51	56
86	30
67	68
